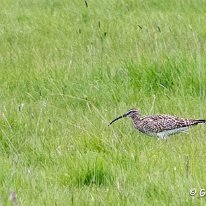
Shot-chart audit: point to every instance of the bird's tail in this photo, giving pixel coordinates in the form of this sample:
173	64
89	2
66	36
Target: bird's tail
199	121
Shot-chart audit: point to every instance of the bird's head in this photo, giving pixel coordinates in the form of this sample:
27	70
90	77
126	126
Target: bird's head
131	113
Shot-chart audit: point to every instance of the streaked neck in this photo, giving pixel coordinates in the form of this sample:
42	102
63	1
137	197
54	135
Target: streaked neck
135	117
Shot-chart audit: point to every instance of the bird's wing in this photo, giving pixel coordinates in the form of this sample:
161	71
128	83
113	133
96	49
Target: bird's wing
159	123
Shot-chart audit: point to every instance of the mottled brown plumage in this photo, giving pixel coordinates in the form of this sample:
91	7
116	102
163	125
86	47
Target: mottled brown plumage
159	125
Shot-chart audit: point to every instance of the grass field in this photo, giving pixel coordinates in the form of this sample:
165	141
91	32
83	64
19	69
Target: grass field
67	68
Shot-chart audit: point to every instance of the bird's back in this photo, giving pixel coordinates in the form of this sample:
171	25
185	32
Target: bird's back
160	123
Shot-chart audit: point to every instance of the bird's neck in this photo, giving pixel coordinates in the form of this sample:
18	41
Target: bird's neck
135	118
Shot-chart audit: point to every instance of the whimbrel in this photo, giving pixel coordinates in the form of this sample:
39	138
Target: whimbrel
159	125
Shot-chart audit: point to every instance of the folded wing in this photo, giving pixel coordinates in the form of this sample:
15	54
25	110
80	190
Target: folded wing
160	123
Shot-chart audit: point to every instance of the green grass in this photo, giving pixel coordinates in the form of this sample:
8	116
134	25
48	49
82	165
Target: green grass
66	70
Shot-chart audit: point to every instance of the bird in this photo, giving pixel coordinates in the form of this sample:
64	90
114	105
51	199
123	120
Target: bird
159	125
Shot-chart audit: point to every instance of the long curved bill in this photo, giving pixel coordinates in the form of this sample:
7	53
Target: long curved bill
120	117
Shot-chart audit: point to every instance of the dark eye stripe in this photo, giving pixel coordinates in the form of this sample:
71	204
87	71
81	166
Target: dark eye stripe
133	110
